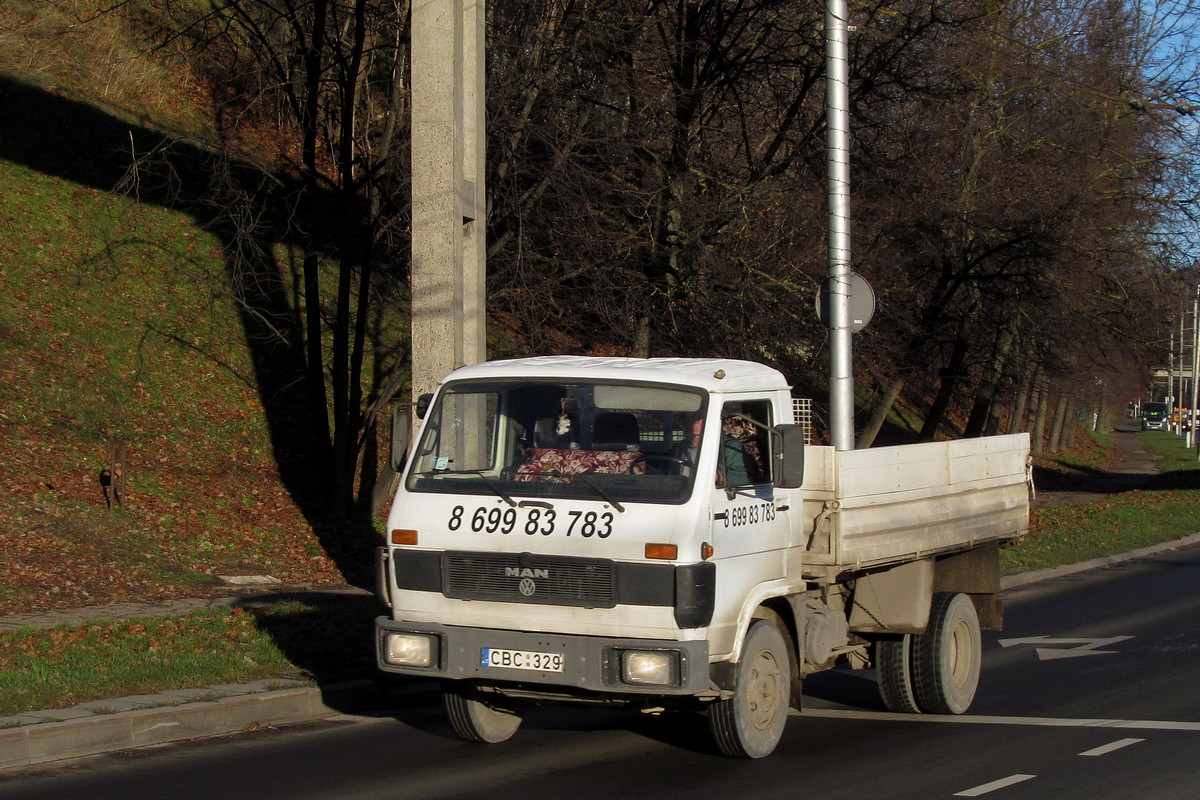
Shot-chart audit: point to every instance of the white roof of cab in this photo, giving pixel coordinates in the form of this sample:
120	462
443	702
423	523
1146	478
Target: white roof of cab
735	376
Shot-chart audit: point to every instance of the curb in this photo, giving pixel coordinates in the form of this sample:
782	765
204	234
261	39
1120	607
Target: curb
1026	578
83	732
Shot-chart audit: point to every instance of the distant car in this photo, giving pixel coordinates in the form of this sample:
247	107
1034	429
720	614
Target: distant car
1155	416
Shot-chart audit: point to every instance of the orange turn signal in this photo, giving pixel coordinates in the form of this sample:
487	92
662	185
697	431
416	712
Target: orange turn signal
666	552
400	536
706	551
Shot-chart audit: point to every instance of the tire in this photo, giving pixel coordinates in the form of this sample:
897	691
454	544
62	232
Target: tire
947	657
475	720
750	724
893	668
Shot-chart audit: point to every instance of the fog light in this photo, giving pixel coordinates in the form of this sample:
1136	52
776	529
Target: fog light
409	649
650	667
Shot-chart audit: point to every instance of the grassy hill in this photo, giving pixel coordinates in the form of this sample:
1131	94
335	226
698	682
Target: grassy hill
113	324
117	322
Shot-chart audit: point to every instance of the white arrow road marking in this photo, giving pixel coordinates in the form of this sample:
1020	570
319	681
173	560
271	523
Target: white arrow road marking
1085	647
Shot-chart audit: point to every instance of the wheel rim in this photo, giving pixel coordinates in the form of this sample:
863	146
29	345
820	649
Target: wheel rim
960	665
766	682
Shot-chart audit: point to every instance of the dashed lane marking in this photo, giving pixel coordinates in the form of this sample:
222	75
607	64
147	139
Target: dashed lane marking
985	788
1105	749
1051	722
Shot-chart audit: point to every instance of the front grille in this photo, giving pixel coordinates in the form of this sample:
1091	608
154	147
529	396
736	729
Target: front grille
526	578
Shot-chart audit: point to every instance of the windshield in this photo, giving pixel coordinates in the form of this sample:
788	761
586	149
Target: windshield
618	442
1154	409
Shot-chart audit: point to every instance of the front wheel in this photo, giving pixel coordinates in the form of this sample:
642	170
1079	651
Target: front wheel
475	720
947	657
750	724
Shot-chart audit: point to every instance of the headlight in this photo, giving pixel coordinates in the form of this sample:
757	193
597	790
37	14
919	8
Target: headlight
409	649
650	667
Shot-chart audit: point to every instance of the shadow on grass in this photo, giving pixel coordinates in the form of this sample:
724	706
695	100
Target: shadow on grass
1179	480
330	637
1061	476
250	211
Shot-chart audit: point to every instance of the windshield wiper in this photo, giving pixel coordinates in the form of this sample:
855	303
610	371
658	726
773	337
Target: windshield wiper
612	501
503	495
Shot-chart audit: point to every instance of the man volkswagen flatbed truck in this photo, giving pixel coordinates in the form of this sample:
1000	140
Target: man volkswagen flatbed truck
655	533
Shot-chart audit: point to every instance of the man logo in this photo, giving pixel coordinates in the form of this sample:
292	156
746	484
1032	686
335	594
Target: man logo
525	572
527	587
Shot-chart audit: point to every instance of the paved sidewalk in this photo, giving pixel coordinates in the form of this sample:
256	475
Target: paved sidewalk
163	608
1134	471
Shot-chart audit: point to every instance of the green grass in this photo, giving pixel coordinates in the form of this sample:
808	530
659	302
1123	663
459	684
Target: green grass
1068	534
69	665
116	315
321	641
1178	462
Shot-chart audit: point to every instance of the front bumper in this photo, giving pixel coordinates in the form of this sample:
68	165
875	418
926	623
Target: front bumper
590	663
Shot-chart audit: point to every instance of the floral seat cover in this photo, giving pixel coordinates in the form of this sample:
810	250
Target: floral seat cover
555	465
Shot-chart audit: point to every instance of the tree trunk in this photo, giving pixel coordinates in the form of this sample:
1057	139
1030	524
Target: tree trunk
951	375
313	220
641	338
879	414
349	325
1060	417
1021	401
1039	424
985	397
1100	423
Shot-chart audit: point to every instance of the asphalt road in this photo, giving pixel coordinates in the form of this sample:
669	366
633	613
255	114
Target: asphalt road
1089	692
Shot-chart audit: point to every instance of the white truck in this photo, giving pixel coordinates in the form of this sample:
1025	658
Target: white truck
655	533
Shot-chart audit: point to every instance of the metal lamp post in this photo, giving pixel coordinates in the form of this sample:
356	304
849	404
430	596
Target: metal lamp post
837	146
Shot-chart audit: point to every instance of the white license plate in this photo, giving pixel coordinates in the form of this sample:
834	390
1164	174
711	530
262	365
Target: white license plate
521	659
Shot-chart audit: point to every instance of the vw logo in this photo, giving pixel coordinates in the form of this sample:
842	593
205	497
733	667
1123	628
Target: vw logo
527	586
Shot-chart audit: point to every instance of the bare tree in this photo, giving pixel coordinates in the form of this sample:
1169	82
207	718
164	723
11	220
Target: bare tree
330	76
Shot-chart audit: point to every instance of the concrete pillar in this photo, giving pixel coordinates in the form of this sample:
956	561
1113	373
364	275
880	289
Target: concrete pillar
448	214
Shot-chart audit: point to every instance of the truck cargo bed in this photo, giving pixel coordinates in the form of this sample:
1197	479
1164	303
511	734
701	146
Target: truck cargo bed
867	508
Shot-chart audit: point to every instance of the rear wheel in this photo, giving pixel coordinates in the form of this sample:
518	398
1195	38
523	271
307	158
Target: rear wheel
893	667
478	720
750	724
947	657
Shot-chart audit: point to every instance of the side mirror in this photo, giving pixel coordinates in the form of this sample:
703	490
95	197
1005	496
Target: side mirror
401	433
789	456
423	404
